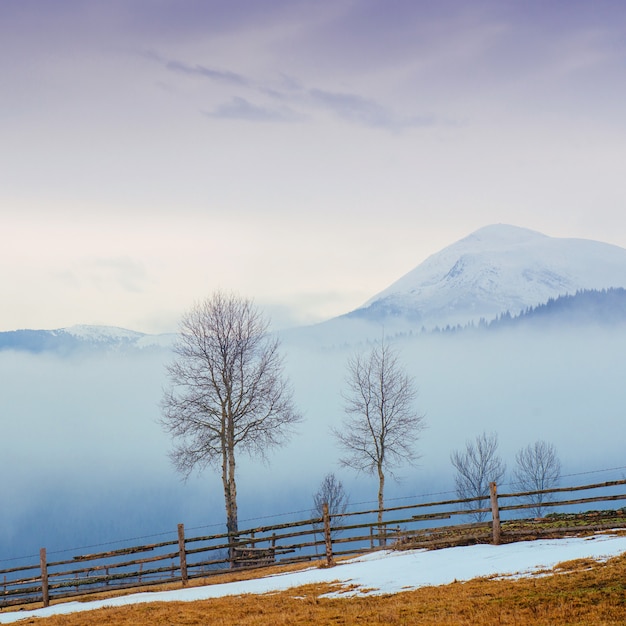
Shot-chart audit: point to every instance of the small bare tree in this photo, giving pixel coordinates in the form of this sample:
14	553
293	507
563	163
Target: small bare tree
227	391
381	425
538	467
477	466
332	493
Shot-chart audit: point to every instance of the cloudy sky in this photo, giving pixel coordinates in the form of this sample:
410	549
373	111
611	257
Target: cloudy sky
302	153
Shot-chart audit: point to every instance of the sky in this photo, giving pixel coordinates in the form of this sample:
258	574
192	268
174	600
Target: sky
304	154
382	572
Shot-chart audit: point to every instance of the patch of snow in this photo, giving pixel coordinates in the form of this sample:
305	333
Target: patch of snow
101	333
115	337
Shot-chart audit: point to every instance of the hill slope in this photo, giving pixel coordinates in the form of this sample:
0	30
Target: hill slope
381	574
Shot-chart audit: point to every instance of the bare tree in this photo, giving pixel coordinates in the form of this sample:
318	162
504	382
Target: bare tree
227	391
381	425
331	492
477	466
538	467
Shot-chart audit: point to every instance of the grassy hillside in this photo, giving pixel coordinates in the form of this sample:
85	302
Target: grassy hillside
574	593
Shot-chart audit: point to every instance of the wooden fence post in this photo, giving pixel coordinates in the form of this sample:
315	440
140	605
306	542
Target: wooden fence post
495	514
182	553
330	562
232	553
44	577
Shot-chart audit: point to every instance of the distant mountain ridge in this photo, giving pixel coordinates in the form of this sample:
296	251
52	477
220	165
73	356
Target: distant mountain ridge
606	307
499	273
496	269
82	337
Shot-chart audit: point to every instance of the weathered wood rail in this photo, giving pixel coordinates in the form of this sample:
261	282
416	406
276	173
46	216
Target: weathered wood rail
423	525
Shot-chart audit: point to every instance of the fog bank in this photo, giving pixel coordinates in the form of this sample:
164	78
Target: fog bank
85	460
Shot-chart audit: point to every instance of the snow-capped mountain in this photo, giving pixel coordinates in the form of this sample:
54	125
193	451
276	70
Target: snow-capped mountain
82	337
113	336
496	269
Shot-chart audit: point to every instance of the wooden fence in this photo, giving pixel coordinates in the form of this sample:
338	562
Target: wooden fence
493	518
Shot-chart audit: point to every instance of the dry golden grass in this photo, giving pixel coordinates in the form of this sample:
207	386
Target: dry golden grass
576	593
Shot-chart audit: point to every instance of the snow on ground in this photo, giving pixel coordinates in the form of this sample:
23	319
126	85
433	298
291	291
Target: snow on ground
383	572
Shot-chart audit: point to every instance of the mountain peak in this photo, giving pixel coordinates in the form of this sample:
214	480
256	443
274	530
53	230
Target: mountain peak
502	234
496	269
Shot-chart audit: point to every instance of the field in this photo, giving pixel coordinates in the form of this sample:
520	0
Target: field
574	593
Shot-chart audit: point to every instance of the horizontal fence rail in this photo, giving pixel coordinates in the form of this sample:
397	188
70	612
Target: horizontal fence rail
492	518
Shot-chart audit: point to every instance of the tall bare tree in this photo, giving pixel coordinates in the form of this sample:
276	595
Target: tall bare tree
538	468
227	391
477	466
381	425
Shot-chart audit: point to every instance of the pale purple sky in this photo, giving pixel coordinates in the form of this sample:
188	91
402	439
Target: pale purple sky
306	154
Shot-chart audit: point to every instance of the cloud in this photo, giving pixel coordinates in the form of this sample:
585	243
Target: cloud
222	76
360	110
176	66
241	109
290	90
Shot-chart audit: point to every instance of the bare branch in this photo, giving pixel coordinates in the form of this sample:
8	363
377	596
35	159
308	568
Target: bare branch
332	493
538	468
477	466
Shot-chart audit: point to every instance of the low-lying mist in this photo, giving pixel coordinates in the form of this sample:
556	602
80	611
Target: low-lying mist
84	460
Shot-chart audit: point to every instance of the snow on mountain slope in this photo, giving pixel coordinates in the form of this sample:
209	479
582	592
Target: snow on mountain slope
113	336
104	334
82	337
496	269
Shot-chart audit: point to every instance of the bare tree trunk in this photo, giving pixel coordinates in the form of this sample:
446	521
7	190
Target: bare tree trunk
227	444
230	497
231	551
381	490
233	522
